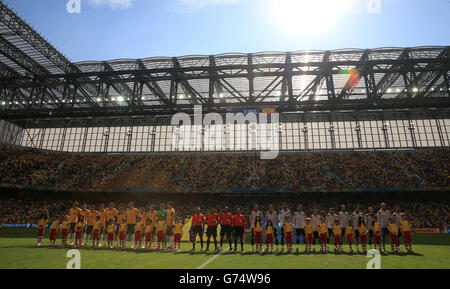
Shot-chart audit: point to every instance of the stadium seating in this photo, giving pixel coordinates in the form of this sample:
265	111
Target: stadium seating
226	172
346	171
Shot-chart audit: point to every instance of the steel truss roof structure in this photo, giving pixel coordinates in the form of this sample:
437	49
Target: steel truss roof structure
38	82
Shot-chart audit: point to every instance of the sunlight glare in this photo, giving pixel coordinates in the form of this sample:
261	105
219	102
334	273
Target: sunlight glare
306	17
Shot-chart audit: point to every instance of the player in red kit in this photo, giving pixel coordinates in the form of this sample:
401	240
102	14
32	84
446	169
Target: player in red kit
212	219
238	226
197	227
225	227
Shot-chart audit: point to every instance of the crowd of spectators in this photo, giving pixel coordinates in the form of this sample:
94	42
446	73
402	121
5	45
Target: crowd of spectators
346	171
225	172
27	211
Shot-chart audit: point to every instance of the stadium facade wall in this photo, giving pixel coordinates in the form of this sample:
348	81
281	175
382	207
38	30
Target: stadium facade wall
292	136
10	134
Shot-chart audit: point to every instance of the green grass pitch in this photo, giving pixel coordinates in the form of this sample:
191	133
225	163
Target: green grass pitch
18	250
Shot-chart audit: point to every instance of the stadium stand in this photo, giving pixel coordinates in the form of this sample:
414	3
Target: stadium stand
222	173
344	172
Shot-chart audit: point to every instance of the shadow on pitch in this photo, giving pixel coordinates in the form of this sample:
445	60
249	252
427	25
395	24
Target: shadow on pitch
88	248
210	253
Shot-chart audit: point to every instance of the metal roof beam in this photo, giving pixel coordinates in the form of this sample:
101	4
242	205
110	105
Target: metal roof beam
6	71
312	88
362	70
122	88
154	87
180	77
29	64
391	77
427	77
28	34
20	58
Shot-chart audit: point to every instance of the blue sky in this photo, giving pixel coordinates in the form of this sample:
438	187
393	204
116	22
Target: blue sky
111	29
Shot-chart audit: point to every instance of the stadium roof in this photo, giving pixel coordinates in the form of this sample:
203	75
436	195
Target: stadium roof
38	81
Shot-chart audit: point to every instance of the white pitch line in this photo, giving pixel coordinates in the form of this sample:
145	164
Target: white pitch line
212	259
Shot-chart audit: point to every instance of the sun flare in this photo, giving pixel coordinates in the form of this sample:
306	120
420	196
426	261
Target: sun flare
307	17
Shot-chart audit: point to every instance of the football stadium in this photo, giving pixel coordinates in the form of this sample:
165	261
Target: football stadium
309	159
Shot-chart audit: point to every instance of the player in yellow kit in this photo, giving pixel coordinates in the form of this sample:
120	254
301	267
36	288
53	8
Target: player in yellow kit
363	233
138	232
309	235
112	215
111	212
122	215
337	236
153	214
132	213
161	228
96	229
102	213
323	235
170	214
86	213
349	233
65	227
143	214
393	230
148	233
42	223
74	212
123	232
258	231
90	223
405	228
79	230
178	234
288	228
54	228
269	236
110	230
376	228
